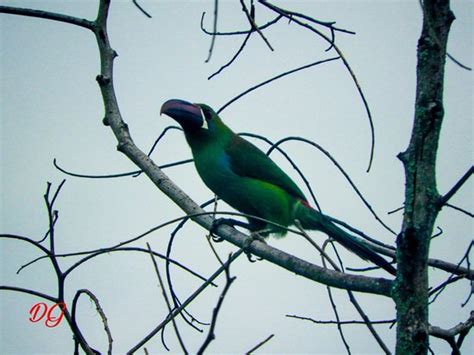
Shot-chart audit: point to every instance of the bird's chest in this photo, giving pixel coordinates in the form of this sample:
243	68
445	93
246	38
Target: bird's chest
215	170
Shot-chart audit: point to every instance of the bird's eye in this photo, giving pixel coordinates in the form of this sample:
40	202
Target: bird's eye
207	113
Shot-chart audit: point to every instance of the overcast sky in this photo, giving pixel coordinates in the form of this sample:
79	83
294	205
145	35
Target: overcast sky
51	108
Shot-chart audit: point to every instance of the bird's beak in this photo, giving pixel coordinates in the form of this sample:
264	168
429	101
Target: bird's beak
188	115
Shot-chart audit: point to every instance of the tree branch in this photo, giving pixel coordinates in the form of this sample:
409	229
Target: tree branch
48	16
213	40
165	297
228	282
461	330
444	199
179	309
99	310
263	342
292	17
29	292
421	195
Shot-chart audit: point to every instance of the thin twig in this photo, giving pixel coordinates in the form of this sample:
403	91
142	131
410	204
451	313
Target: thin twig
331	299
346	175
228	282
462	329
352	298
241	48
345	322
291	17
292	14
165	297
290	160
99	310
48	16
452	278
398	209
459	209
191	298
251	18
213	40
273	79
368	323
444	199
135	2
29	292
235	33
176	301
323	254
259	345
117	175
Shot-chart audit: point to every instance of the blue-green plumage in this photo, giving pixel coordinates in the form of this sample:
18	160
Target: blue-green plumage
248	180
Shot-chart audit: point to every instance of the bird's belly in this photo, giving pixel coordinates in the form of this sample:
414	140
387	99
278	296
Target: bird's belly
248	195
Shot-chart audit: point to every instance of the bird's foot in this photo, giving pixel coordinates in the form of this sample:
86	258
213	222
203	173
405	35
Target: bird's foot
253	237
228	221
232	222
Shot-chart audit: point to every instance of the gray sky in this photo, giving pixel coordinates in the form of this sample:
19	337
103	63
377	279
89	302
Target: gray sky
51	108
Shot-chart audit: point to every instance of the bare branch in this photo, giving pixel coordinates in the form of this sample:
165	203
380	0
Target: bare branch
436	263
251	18
352	298
29	292
228	282
48	16
242	46
458	62
259	345
135	2
165	296
178	310
332	45
346	175
460	330
459	209
444	199
272	79
117	175
234	33
451	279
213	40
293	14
292	163
99	310
346	322
336	314
60	276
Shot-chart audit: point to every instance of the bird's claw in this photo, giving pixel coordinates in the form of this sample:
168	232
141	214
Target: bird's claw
253	237
216	224
220	221
232	222
216	238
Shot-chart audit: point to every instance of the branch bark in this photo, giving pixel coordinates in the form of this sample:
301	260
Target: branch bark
47	15
421	195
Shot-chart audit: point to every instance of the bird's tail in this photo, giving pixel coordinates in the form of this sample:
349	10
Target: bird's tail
313	220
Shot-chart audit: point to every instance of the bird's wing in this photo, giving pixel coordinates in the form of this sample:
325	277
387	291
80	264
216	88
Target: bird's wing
247	160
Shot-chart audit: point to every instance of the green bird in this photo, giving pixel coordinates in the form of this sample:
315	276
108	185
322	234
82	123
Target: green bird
248	180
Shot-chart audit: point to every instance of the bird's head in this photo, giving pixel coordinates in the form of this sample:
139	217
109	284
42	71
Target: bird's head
192	117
